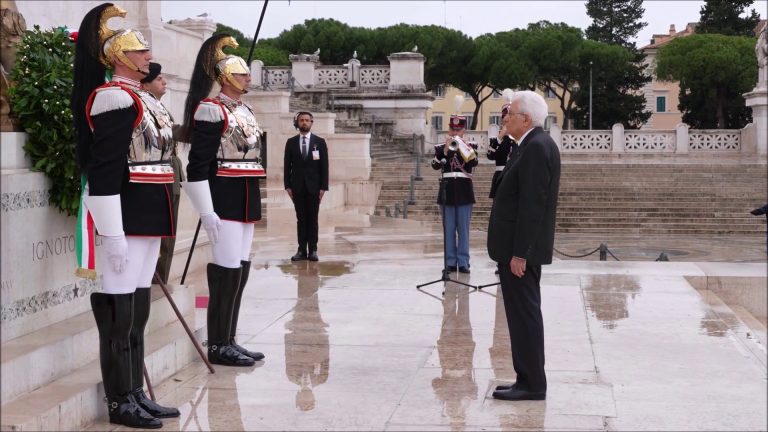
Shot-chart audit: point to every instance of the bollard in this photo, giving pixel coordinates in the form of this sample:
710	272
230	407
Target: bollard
405	210
603	252
417	152
662	257
411	193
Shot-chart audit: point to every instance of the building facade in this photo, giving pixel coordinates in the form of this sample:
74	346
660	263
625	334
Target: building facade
490	110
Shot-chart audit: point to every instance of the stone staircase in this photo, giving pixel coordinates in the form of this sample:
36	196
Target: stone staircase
64	390
628	198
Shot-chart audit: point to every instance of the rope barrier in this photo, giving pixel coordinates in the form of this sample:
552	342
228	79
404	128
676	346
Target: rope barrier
577	256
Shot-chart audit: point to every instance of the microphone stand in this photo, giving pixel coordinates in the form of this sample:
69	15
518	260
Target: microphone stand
444	277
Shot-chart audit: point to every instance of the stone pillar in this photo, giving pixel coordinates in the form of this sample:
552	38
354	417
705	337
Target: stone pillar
257	73
406	72
757	99
353	71
617	138
303	69
556	132
682	143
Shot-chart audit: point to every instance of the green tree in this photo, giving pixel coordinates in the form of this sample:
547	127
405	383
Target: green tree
713	71
724	17
337	41
615	21
554	53
616	83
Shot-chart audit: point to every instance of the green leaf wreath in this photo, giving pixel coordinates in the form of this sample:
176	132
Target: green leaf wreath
41	84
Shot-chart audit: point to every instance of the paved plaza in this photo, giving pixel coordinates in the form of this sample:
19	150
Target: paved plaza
351	344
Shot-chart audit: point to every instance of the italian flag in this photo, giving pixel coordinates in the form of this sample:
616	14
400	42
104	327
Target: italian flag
85	238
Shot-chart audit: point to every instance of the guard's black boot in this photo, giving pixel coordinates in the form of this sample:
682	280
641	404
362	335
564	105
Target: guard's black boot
301	254
223	284
245	267
141	304
114	317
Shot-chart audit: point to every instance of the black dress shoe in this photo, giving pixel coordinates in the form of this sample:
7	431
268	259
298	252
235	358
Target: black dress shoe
516	394
463	269
126	411
153	408
226	355
255	355
313	256
505	386
450	269
300	256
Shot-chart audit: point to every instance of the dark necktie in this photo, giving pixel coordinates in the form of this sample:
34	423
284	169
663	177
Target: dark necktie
304	147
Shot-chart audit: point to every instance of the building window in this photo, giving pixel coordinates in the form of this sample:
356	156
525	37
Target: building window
661	104
550	120
496	94
470	117
549	94
439	91
437	121
495	118
467	95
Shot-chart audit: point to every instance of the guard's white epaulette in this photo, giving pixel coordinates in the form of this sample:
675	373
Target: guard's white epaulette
110	99
209	112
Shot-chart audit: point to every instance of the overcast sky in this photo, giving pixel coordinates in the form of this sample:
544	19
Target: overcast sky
471	17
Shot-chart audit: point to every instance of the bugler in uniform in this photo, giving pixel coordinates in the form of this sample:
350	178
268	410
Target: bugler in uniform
223	184
456	195
123	146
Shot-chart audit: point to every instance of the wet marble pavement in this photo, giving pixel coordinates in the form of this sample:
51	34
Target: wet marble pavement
351	344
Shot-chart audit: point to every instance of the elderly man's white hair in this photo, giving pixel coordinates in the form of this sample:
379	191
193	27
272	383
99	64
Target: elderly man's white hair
533	104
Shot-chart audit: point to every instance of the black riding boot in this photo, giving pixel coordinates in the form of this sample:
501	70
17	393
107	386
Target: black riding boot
141	304
114	317
223	284
245	266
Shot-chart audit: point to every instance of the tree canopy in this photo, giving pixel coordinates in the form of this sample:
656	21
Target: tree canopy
713	70
724	17
615	21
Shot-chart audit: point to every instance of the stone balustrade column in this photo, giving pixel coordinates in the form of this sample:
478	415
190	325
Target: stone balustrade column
682	143
556	132
617	138
257	73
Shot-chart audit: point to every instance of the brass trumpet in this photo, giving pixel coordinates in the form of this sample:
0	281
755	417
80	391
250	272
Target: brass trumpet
465	150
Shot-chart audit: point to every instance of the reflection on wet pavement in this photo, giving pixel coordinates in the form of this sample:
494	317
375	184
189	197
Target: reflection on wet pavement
350	344
607	296
307	354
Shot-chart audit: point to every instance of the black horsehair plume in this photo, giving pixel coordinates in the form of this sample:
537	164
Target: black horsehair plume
89	74
201	83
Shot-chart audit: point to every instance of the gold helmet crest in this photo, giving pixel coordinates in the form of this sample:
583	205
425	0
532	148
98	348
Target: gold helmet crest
228	65
116	42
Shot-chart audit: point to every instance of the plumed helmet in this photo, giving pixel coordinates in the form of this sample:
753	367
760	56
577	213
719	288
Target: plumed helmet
115	43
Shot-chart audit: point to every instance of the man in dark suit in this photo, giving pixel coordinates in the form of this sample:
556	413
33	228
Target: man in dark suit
305	174
521	235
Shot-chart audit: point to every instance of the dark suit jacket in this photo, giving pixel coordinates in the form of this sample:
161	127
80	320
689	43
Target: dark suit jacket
305	175
522	221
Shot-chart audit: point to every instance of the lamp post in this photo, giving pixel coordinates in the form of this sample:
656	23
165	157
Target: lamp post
590	95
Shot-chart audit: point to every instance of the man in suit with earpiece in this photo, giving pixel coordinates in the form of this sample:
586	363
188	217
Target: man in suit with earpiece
305	176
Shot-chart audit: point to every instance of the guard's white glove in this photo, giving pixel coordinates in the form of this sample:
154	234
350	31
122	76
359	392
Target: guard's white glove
211	223
116	248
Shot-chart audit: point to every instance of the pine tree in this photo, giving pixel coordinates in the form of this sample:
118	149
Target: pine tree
615	22
724	17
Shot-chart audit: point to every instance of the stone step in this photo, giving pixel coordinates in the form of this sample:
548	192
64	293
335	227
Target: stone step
70	344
